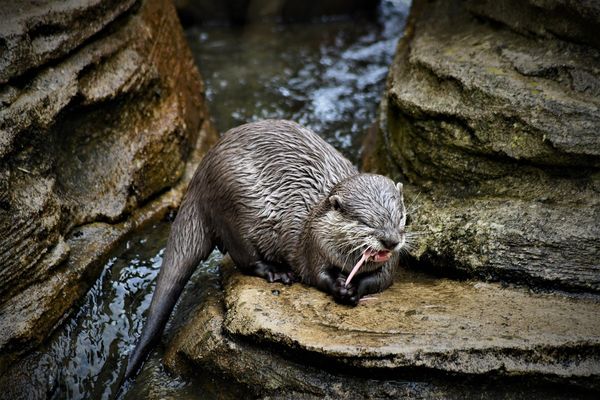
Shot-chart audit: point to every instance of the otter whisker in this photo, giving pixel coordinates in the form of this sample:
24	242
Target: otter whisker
404	252
410	209
411	232
409	247
350	253
413	209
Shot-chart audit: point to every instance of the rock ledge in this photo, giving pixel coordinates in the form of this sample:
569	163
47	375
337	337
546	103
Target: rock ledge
420	328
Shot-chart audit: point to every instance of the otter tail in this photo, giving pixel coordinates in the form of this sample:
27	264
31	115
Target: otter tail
188	244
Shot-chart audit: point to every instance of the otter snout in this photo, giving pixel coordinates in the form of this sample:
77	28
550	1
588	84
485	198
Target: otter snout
392	240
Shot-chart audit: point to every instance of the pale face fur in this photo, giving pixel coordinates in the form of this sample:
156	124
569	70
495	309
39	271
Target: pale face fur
365	211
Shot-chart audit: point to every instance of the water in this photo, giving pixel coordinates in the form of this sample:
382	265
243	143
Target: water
327	75
89	345
85	359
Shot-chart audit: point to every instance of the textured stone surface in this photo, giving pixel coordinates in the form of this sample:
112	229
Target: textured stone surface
499	132
35	32
84	142
577	20
422	330
539	243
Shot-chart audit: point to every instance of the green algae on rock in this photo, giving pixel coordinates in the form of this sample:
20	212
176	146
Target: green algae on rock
499	131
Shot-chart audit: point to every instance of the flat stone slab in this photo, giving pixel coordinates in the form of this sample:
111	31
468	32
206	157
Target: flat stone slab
457	327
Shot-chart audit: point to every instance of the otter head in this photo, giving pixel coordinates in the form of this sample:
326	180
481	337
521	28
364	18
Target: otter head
363	221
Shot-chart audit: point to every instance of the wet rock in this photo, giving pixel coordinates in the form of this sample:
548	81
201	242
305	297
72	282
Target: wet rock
423	337
577	21
99	137
498	131
33	33
256	10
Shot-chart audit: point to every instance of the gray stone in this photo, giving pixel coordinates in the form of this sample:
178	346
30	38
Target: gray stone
577	20
92	145
499	132
536	242
33	33
424	337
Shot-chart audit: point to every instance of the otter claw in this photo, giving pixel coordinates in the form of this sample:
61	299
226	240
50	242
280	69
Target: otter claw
287	278
273	273
345	294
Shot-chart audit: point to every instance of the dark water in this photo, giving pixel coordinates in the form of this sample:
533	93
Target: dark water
327	75
85	358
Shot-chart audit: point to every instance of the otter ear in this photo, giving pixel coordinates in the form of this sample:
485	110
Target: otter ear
336	202
400	188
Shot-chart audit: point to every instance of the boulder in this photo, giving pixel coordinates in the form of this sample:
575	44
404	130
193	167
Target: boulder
34	33
101	125
424	337
574	20
498	132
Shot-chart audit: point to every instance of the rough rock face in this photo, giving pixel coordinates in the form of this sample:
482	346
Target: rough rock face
97	119
423	338
574	20
34	33
498	130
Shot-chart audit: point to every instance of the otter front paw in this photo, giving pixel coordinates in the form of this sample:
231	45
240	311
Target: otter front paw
345	294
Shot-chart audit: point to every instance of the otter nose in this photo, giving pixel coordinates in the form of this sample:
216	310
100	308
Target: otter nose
390	242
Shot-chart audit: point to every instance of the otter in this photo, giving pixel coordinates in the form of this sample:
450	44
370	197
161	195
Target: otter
287	207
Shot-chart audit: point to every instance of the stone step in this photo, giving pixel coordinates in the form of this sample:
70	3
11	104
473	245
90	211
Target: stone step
420	324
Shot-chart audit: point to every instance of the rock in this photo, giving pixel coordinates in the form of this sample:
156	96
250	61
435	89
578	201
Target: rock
423	337
99	138
33	33
577	21
499	132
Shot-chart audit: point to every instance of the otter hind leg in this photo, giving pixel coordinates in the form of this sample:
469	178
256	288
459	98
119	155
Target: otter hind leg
272	272
246	256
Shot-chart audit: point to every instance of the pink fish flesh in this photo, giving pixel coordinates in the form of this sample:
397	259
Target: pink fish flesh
368	255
